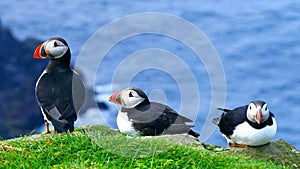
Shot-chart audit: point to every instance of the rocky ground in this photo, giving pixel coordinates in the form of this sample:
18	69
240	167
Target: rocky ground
277	151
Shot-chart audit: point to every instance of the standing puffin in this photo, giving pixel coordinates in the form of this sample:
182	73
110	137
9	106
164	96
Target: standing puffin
60	92
249	125
139	116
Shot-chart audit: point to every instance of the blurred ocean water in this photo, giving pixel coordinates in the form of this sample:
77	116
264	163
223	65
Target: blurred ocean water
257	43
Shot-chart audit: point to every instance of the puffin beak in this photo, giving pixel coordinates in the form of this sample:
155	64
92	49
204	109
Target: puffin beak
259	115
116	98
40	52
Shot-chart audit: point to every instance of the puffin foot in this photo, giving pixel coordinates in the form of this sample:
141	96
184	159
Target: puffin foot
238	145
47	132
47	129
74	133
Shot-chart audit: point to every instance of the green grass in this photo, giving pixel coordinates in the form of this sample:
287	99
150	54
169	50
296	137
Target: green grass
100	147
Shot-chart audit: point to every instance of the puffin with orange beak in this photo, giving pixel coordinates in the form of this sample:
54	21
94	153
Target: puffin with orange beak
60	92
139	116
249	125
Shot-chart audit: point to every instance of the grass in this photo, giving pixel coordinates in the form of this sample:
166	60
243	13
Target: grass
101	147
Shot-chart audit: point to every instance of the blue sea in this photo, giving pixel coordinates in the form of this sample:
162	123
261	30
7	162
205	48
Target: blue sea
257	46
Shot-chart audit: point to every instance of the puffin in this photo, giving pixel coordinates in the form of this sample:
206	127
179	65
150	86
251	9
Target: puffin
139	116
250	125
60	91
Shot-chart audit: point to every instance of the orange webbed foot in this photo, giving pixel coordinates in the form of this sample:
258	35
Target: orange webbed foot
47	129
238	145
74	133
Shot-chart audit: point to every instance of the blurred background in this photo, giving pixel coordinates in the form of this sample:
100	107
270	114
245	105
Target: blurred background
258	44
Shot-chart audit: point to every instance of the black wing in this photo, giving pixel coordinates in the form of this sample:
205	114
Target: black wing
157	118
78	92
59	102
231	118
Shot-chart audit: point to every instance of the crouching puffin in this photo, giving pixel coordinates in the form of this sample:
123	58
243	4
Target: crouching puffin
249	125
139	116
60	92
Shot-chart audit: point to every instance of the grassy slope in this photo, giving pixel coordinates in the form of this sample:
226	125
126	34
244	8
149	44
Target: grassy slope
100	147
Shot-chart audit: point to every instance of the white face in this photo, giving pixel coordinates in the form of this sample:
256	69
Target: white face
55	48
257	114
130	98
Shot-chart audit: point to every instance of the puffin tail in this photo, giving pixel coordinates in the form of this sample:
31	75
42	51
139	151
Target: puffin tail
216	121
224	110
62	126
193	133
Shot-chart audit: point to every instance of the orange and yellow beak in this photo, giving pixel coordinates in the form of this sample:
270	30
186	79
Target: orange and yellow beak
115	98
40	52
259	115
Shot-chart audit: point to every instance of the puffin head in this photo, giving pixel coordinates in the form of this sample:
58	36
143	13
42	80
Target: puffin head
129	98
258	111
53	48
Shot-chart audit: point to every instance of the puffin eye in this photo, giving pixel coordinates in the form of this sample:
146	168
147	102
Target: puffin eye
130	94
266	109
55	44
250	107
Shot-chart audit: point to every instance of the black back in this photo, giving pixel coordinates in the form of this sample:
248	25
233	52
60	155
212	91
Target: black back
231	118
155	118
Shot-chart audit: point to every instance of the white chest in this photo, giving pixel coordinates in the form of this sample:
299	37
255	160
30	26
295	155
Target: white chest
124	125
245	134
